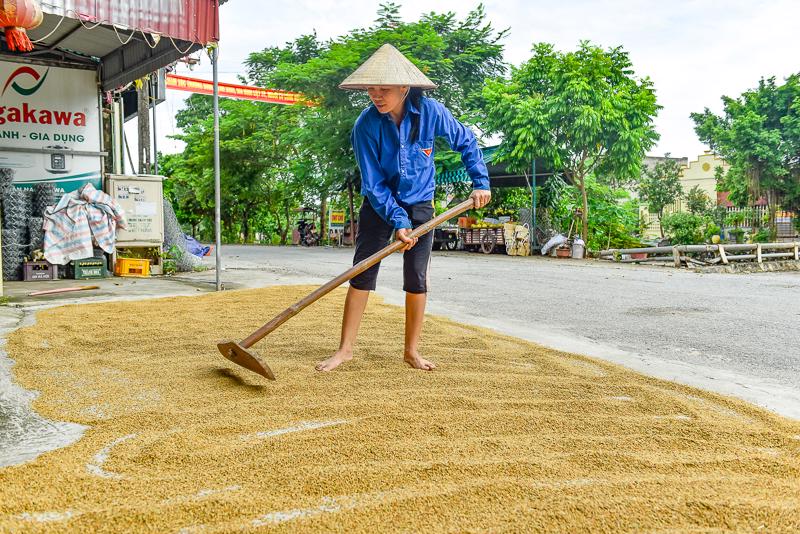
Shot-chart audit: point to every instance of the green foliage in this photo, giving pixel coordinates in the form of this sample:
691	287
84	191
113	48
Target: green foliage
550	193
737	234
684	228
698	201
255	152
615	216
581	112
276	158
761	236
506	201
736	218
758	135
456	54
173	253
660	186
712	229
718	214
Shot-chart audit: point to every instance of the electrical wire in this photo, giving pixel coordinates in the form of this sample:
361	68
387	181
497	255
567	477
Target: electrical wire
52	32
143	31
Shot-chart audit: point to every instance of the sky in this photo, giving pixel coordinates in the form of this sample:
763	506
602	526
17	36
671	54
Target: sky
695	51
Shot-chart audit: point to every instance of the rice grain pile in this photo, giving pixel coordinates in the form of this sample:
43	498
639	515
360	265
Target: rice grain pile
505	436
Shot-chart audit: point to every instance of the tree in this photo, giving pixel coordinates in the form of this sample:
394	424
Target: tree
660	186
458	55
180	189
582	112
615	216
684	228
274	158
697	201
758	135
253	157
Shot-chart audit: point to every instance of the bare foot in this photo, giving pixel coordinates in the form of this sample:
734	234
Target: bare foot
334	361
418	362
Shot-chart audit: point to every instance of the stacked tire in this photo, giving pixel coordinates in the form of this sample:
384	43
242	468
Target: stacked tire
44	195
23	221
17	212
6	179
36	233
15	248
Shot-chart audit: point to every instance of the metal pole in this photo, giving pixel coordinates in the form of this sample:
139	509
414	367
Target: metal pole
535	240
217	195
153	81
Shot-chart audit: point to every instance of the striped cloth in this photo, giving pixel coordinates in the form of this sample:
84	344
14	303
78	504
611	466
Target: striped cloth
78	219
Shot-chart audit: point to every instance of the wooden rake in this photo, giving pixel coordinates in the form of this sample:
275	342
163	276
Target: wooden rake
240	353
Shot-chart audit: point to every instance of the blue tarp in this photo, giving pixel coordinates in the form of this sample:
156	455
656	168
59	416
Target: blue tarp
194	246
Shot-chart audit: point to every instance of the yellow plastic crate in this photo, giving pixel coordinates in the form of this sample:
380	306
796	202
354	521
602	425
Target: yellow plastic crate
132	267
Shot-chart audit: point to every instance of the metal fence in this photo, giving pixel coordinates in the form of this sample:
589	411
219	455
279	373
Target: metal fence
787	231
755	217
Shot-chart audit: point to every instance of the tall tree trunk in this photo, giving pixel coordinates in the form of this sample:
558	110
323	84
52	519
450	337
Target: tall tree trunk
286	228
143	116
585	214
772	208
245	225
277	215
323	217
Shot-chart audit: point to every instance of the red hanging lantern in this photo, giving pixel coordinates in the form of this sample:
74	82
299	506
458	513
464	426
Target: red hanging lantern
16	16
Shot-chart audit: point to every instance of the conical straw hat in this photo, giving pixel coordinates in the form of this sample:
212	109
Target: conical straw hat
387	66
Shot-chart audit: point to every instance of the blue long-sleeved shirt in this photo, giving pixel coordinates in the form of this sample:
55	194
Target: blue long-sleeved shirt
393	170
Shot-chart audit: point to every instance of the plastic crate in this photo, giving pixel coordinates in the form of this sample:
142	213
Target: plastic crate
87	268
39	270
132	267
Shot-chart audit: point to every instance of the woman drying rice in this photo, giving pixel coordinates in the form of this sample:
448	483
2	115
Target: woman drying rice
393	143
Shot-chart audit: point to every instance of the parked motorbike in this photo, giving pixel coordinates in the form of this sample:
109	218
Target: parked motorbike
308	235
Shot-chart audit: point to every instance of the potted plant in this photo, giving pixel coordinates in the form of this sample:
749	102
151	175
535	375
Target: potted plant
712	232
563	251
736	219
737	234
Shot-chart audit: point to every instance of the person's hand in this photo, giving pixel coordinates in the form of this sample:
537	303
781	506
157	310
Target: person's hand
481	196
402	235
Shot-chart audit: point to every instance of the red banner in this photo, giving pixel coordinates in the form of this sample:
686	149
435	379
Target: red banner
233	90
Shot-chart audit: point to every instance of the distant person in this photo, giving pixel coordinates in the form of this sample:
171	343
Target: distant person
393	143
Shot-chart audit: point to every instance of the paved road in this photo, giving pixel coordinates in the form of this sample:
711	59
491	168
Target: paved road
735	334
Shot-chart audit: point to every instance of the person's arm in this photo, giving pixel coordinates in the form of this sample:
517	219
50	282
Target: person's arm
373	179
462	140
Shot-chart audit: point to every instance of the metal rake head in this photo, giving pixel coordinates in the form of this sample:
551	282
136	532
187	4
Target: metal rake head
242	356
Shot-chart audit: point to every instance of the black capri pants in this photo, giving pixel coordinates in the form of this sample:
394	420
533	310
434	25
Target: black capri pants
374	233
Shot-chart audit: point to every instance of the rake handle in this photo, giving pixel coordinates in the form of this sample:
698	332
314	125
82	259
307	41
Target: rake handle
355	270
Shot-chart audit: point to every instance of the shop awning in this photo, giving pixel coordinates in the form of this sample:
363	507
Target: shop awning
499	175
126	39
460	174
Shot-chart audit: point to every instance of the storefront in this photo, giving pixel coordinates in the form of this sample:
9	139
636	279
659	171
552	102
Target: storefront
61	79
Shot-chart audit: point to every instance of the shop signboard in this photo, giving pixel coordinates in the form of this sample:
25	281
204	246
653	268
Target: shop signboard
336	220
50	125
